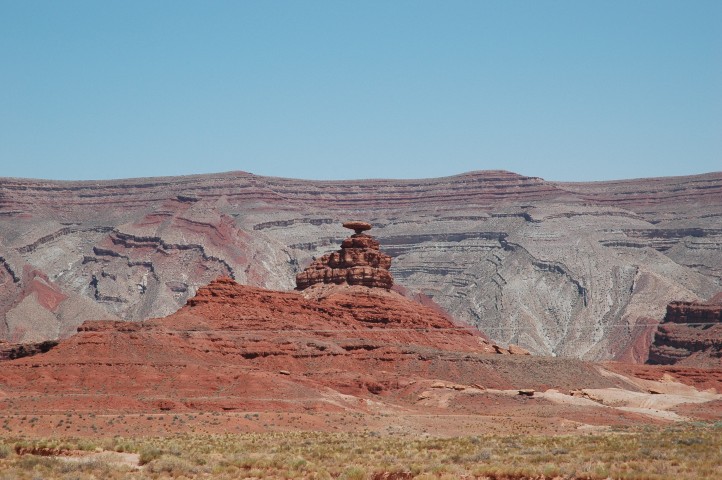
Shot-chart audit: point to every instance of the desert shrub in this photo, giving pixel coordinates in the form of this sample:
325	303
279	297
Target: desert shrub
148	454
353	473
87	445
480	456
298	464
96	466
5	451
120	445
30	462
175	466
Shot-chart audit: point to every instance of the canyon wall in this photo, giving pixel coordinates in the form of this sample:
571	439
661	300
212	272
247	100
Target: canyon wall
570	269
690	334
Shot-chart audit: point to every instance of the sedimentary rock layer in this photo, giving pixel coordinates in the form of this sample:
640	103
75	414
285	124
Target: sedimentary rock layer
234	346
558	268
11	351
691	334
343	350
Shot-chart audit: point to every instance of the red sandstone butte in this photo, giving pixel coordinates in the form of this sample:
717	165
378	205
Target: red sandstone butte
690	335
358	262
237	339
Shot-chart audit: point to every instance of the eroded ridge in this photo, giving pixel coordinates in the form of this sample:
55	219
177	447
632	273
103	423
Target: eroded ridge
690	334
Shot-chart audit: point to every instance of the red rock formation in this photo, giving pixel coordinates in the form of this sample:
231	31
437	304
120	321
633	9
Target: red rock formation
700	378
359	262
691	335
357	226
252	343
11	351
517	350
331	350
693	312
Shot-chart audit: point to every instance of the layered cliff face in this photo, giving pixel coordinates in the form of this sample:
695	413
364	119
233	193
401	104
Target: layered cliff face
560	269
690	335
235	347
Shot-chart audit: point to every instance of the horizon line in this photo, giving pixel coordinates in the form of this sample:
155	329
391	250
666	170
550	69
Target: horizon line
345	180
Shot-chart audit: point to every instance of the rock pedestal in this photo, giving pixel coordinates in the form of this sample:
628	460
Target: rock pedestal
359	262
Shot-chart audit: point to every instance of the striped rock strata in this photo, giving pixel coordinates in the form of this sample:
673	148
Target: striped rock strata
691	334
253	349
566	269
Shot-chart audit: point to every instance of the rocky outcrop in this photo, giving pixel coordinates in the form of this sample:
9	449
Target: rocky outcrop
250	346
11	351
694	313
334	356
565	269
517	350
690	335
358	262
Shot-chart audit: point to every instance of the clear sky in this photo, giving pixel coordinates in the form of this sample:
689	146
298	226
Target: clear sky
565	90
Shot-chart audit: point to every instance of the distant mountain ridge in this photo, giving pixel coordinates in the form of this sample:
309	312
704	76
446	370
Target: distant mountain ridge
571	269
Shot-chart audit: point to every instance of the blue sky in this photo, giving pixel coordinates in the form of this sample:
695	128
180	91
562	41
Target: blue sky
565	90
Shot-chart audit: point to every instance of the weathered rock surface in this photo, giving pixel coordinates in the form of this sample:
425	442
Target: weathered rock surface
690	334
336	357
694	312
358	262
248	345
568	269
11	351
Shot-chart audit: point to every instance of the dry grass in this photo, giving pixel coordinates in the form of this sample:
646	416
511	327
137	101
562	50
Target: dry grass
689	451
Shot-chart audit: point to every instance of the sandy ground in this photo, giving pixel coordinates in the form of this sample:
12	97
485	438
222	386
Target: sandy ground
436	408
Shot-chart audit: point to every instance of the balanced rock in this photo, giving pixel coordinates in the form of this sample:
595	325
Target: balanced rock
358	262
358	227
